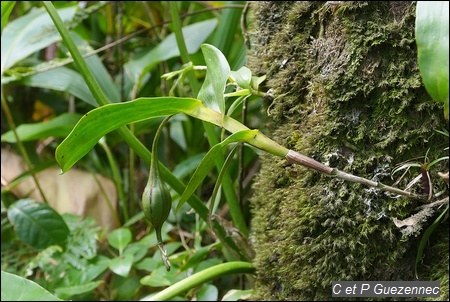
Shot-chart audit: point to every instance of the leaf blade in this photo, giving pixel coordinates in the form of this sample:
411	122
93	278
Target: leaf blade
100	121
194	35
432	30
208	162
16	288
60	126
217	73
38	224
28	34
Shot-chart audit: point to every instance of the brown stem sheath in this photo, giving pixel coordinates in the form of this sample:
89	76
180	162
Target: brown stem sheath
297	158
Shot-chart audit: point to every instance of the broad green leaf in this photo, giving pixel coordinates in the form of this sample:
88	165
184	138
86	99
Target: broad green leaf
126	289
119	238
100	121
242	77
68	80
238	295
161	277
217	73
60	126
61	79
198	256
188	166
37	224
155	281
30	33
137	250
121	265
208	162
7	7
98	70
208	293
157	278
432	27
16	288
96	267
69	291
148	264
194	35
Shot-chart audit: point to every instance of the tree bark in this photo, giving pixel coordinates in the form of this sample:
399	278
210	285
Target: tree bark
347	92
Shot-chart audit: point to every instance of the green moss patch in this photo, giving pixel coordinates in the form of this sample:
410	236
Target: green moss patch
347	92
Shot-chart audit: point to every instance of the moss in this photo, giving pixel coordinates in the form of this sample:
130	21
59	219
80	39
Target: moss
347	92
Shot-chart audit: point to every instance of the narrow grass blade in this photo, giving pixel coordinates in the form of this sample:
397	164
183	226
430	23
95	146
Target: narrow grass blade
208	162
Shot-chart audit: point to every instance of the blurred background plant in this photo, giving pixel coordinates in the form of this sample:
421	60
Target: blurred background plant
128	47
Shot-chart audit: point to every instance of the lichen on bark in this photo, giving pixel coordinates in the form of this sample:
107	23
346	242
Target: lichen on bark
347	92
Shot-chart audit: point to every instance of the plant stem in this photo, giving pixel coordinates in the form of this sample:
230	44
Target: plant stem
116	177
370	183
21	147
297	158
234	267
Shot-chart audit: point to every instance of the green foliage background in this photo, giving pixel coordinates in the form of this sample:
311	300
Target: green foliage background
95	265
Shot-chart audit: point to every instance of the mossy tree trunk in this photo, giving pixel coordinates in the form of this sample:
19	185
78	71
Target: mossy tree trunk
346	91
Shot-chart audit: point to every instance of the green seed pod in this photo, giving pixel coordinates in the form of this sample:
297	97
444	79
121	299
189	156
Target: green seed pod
156	199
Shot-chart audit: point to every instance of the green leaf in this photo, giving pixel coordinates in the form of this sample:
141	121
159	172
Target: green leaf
57	127
70	291
100	121
432	27
121	265
68	80
157	278
425	238
208	293
208	162
30	33
217	73
188	166
233	267
96	267
238	295
148	264
242	77
7	7
37	224
224	37
98	70
125	289
256	81
61	79
222	172
119	238
16	288
194	35
198	256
